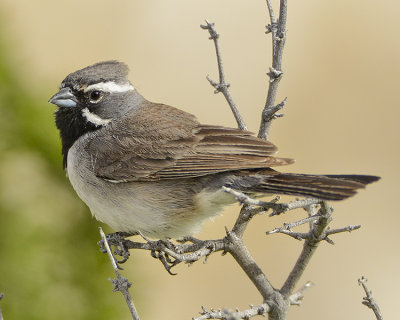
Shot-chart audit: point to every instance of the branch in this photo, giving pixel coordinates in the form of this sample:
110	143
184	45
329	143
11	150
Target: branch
278	31
243	257
369	301
317	234
349	228
286	229
222	86
1	297
259	310
278	306
120	284
277	208
170	254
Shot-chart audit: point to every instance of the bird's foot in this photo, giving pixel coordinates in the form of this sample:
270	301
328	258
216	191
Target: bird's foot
118	242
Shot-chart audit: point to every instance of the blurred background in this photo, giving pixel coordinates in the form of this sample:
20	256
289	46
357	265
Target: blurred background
342	77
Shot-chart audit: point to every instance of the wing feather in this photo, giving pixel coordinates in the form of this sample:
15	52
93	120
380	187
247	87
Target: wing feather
161	142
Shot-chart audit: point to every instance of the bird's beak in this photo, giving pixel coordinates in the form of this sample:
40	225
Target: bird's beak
64	98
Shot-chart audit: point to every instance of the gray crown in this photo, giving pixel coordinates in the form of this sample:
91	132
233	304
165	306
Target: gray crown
100	72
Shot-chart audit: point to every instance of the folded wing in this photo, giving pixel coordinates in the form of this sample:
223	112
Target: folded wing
172	145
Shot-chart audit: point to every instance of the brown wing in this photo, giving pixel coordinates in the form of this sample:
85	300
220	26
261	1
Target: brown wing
167	143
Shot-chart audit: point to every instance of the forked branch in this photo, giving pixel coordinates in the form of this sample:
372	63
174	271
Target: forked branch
222	85
316	234
369	301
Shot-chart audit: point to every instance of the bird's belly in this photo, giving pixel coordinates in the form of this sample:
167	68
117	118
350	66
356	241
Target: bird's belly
157	209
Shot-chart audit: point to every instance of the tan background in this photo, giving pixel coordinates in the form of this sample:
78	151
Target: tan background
342	82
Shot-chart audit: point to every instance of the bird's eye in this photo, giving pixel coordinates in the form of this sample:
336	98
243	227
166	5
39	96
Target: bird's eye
95	95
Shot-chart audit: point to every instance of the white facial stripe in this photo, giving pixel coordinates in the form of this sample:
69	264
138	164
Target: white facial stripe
93	118
110	86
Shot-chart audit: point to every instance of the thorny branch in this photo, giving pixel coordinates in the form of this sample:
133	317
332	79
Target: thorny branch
120	284
286	229
278	30
277	208
231	315
317	234
222	86
369	301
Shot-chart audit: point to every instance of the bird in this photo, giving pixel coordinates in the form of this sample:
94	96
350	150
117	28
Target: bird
149	168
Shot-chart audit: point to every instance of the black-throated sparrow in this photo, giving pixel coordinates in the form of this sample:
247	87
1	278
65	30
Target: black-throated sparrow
148	167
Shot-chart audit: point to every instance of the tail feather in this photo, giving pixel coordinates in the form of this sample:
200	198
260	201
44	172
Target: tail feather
325	187
363	179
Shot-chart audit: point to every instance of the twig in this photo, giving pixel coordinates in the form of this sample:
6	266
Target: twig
120	284
1	314
310	245
295	235
349	228
245	199
273	26
233	315
297	297
278	31
369	301
277	208
303	203
222	86
289	226
286	229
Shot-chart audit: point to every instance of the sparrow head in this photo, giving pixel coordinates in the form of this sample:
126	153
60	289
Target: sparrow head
99	92
91	98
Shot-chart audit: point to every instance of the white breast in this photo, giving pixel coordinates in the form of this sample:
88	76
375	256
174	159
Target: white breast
117	205
157	209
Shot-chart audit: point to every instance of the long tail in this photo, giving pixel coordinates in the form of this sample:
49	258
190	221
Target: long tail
325	187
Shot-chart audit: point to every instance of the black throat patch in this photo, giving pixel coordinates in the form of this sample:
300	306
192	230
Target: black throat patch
72	125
